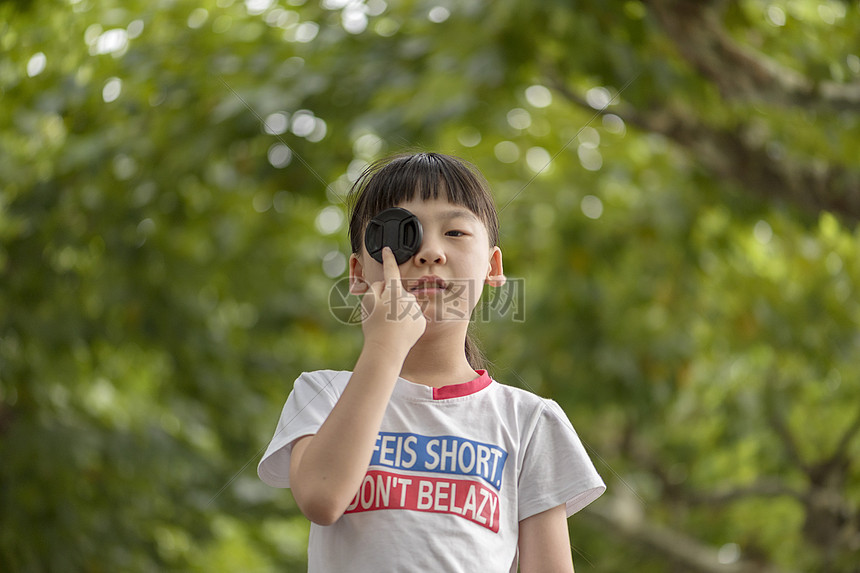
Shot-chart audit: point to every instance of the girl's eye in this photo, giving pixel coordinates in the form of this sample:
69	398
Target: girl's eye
455	233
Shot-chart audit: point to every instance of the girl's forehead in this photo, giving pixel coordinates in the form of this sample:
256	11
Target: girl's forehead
438	208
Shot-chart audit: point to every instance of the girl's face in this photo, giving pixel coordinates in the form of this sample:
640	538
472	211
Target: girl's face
449	270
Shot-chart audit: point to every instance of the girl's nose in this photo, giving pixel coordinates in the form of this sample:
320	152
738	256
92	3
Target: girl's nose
429	253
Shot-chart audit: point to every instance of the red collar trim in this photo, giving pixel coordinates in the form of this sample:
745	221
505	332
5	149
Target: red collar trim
464	389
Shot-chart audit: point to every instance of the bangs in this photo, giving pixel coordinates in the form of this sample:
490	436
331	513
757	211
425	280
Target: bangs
423	176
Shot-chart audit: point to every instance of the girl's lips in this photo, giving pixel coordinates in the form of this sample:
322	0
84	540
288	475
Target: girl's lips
428	284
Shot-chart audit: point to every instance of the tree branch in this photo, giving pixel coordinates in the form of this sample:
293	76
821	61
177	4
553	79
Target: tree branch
765	487
741	72
846	439
779	426
737	156
831	522
688	552
7	417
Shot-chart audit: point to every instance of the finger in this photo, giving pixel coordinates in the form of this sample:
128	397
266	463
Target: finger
390	270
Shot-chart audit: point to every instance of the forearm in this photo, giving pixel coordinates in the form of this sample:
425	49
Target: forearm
326	469
333	462
544	544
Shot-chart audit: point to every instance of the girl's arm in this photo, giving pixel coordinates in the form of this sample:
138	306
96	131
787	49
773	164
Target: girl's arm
544	544
326	468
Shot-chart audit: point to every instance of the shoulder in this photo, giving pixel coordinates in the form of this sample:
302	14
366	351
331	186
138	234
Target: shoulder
521	397
324	375
331	381
531	407
526	404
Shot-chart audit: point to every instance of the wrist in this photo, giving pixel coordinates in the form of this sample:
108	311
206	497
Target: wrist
384	351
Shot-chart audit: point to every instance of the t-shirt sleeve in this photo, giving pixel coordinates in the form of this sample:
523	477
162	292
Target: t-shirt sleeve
313	396
556	468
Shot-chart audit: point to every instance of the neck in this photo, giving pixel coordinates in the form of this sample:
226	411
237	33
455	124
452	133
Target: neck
439	357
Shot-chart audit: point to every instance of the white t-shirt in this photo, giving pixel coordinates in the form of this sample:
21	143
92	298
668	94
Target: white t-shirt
454	471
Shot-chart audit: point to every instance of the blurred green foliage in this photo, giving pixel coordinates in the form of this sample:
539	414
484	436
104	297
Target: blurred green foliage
172	176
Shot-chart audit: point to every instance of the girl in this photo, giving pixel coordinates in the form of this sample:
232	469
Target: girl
418	460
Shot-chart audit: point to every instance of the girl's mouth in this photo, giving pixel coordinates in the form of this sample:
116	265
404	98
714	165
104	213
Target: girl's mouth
427	285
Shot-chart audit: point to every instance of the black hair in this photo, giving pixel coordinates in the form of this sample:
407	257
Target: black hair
403	177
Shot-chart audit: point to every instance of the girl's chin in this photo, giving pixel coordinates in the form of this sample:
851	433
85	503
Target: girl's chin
442	314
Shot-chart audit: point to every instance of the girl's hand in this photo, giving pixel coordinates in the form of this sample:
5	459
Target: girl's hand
392	317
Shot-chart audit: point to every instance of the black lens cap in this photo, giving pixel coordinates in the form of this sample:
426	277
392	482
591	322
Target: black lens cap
396	228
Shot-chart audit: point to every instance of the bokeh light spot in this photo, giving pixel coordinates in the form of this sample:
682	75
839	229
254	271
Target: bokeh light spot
112	90
438	14
598	98
276	123
279	155
538	96
507	151
36	64
592	207
518	118
329	220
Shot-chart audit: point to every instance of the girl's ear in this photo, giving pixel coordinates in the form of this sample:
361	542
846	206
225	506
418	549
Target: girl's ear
495	273
357	284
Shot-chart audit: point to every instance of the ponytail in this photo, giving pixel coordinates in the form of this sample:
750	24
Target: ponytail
474	354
